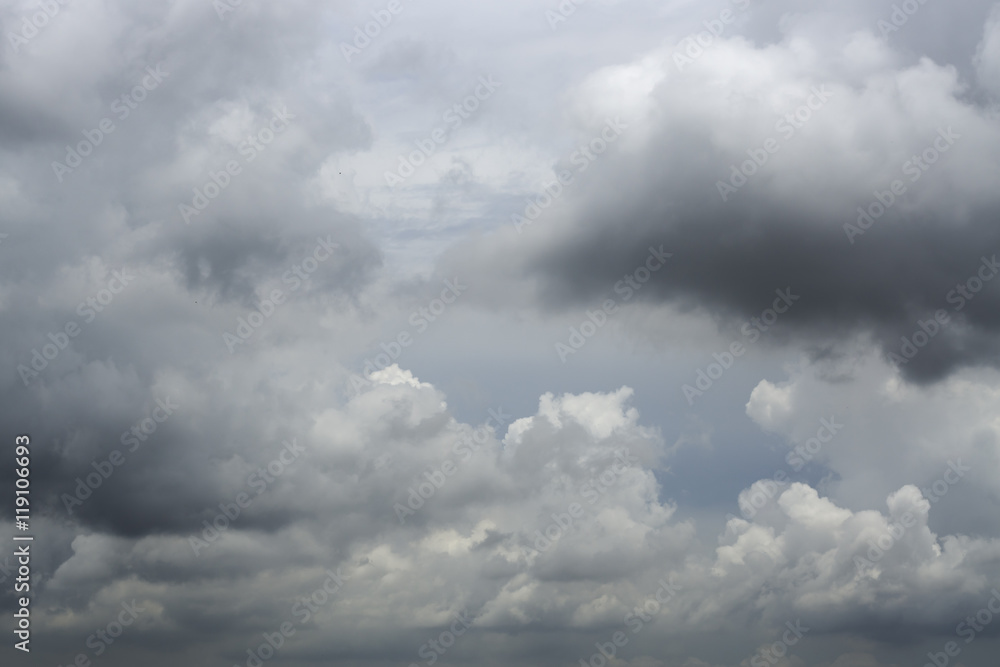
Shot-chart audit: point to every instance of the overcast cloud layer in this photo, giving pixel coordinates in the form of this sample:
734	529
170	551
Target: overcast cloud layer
614	332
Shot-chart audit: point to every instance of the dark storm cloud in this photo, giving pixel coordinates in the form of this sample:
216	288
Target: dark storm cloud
118	211
217	83
792	223
730	261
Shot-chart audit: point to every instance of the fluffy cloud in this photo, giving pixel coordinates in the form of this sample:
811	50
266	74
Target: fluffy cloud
554	520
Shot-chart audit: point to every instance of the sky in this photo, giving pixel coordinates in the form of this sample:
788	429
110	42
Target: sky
638	333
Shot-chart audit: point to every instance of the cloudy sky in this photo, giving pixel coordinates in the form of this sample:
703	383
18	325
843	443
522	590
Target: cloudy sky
639	333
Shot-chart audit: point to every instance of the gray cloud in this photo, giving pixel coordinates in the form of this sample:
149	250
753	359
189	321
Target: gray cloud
165	386
786	226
